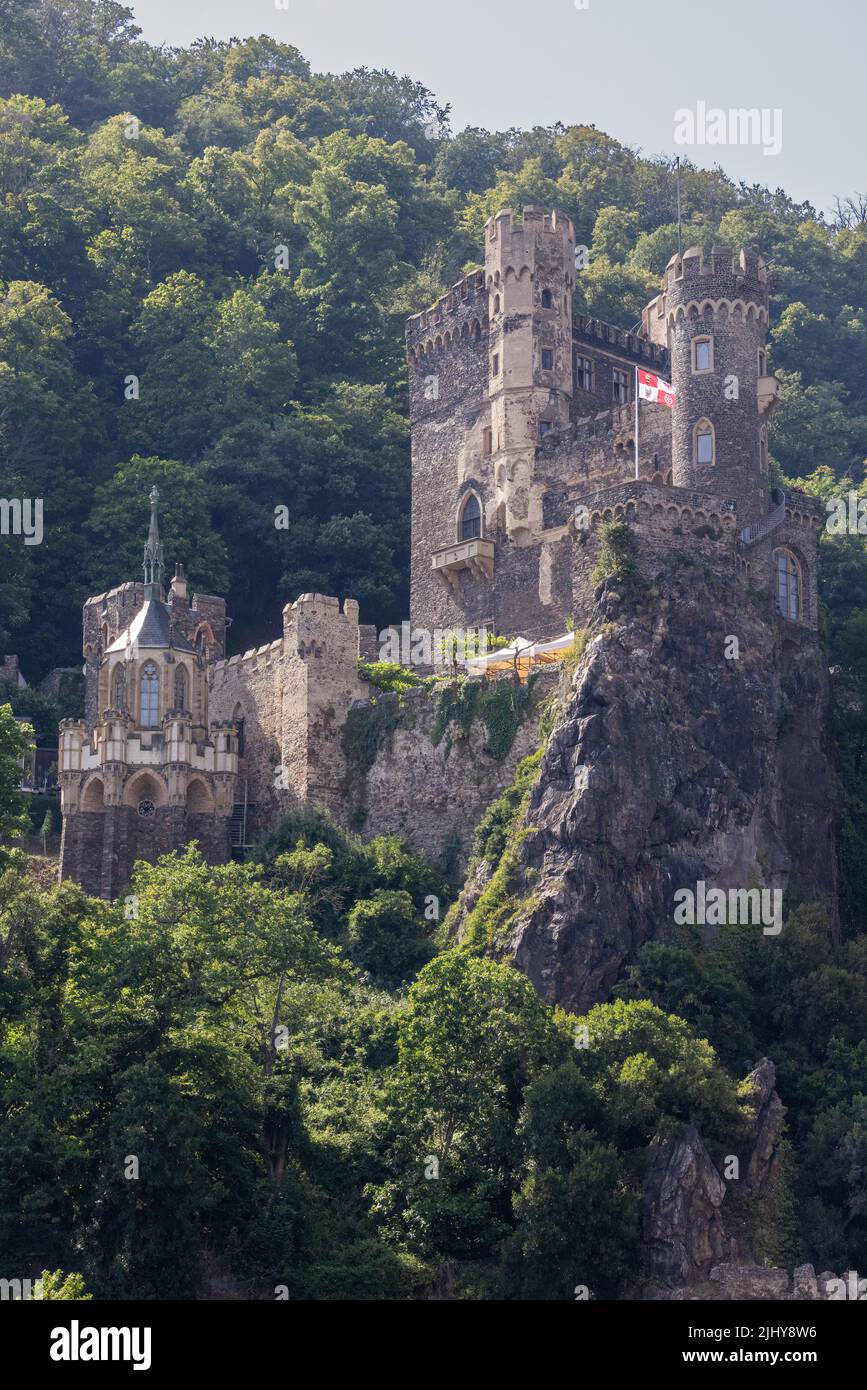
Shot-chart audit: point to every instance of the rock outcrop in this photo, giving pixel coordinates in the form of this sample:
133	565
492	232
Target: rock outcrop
763	1160
686	1228
680	756
682	1226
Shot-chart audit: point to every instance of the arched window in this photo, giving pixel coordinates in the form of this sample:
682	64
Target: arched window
763	362
496	303
150	697
704	450
180	688
787	581
763	449
118	697
702	354
547	299
470	526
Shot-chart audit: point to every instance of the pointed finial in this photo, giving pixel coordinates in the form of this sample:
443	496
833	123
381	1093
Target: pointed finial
153	552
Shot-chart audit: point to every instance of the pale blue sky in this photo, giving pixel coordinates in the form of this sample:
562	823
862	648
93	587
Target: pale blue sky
623	65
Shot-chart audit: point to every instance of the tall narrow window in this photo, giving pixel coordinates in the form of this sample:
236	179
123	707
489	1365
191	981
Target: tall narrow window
180	688
788	584
547	299
496	304
150	697
487	439
763	362
547	359
702	354
118	698
704	442
619	386
471	519
583	373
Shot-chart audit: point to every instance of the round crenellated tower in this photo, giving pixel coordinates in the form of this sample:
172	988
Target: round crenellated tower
713	317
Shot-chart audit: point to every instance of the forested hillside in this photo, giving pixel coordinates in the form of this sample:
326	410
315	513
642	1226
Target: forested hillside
206	259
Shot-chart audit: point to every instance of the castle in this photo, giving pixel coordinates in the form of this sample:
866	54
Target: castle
523	418
523	446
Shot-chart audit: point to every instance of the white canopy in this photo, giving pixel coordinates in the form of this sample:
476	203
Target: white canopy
522	654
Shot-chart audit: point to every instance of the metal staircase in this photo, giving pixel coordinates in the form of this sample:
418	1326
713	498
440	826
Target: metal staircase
759	529
238	821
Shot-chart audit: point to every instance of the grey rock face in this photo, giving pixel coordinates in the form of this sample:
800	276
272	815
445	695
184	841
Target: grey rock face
764	1159
681	1221
671	764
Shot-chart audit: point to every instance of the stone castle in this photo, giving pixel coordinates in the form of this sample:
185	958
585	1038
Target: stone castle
523	448
523	412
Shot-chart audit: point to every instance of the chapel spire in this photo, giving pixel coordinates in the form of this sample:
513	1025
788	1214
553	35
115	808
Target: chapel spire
153	553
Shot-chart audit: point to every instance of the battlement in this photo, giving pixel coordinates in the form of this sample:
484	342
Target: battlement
506	229
595	333
253	657
723	279
322	607
465	294
720	262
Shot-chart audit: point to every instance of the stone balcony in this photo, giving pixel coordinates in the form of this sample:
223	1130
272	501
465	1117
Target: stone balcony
476	555
768	391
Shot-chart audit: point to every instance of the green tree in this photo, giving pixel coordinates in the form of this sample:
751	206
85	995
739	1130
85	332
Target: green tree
16	740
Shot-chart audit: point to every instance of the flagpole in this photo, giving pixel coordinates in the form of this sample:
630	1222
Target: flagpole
679	235
636	424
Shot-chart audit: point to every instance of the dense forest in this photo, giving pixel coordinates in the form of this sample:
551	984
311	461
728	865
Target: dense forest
206	259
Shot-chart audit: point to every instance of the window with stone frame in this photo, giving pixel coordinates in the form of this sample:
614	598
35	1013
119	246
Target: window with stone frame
150	697
470	524
118	698
704	448
547	359
702	354
180	688
583	373
787	585
620	386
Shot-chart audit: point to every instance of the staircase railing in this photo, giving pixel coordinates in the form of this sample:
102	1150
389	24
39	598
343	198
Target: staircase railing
759	529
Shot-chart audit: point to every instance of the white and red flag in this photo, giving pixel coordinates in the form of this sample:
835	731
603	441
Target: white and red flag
653	388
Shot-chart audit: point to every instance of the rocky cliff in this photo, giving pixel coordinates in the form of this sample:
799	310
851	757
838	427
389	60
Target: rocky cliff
689	748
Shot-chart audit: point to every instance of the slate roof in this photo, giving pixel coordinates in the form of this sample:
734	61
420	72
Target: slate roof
151	627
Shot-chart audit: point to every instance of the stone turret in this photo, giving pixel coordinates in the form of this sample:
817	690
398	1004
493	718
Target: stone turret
321	644
530	276
713	316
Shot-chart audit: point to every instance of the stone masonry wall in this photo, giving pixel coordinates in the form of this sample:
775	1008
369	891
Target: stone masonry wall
435	795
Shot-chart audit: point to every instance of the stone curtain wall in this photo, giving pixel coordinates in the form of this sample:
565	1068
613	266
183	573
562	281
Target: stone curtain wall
433	795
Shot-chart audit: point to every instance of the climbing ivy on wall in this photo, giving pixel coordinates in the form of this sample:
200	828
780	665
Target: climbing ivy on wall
368	728
501	705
